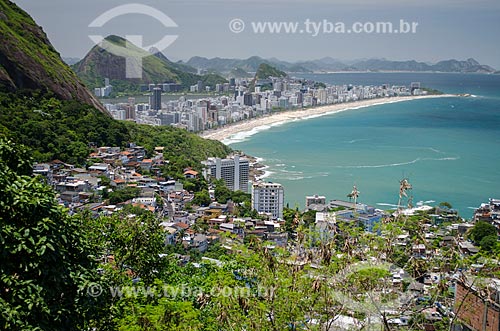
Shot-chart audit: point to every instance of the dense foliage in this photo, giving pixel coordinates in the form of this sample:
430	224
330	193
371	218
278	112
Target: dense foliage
181	147
481	230
56	129
485	235
124	194
44	260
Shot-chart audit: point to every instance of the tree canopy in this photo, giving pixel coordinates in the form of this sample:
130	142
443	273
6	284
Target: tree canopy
482	229
44	261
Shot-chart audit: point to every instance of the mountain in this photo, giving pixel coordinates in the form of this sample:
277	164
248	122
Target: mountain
329	64
252	63
469	65
28	60
226	65
99	63
385	65
177	65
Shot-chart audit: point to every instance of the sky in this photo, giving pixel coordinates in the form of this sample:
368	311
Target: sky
446	29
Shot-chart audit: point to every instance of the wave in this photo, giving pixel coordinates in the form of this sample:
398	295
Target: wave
244	135
434	150
291	171
266	173
397	164
299	178
451	158
355	141
386	204
282	174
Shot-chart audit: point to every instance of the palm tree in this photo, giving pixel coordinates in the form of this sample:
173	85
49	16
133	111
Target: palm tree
404	185
354	195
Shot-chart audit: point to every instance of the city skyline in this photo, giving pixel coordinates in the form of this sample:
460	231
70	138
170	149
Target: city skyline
446	30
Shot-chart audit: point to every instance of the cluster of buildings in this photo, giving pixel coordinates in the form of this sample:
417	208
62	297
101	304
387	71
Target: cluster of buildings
77	186
345	211
244	99
489	212
104	91
267	198
112	169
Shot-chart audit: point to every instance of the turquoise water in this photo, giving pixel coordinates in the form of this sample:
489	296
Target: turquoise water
449	148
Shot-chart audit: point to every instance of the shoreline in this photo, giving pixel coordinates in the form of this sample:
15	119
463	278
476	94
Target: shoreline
252	126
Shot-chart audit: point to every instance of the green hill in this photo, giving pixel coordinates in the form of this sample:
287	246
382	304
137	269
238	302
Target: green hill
156	68
265	71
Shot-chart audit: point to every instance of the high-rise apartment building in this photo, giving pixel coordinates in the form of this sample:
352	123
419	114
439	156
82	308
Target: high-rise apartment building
155	99
234	171
268	198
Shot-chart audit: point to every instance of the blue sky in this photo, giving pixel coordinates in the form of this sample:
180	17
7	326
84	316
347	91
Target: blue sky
446	28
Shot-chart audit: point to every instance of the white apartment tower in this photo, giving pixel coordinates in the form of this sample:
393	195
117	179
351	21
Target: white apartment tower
234	171
268	198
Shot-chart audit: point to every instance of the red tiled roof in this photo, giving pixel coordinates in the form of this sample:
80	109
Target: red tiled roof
182	225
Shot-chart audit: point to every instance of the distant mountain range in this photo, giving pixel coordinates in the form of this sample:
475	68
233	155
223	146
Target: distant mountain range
99	64
328	64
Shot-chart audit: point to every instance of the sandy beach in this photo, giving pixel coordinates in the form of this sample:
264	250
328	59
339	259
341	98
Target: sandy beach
225	133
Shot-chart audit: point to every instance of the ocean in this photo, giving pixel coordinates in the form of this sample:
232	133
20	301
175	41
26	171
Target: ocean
448	148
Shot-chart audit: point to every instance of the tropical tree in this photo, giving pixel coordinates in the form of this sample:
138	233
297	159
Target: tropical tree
45	262
221	192
202	198
135	243
482	229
